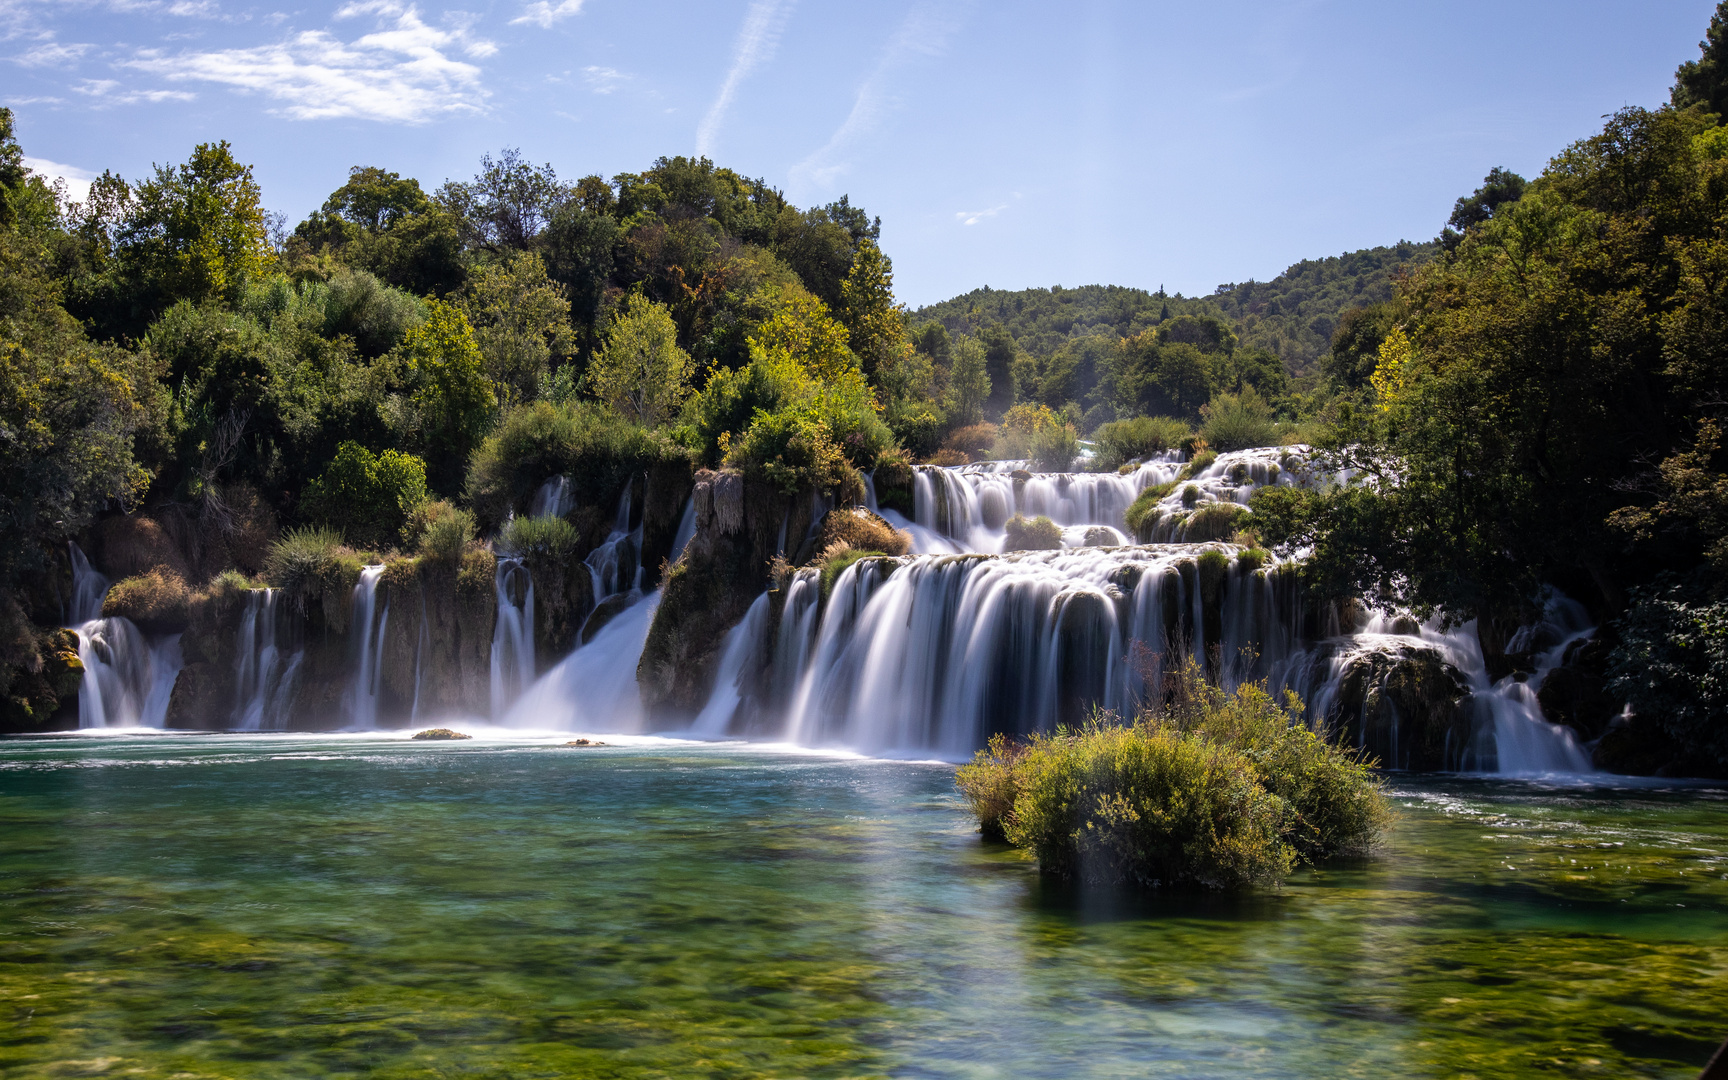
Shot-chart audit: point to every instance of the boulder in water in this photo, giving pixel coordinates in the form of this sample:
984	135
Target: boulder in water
584	742
439	734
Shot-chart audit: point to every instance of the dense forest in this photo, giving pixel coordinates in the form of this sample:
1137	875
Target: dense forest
1533	399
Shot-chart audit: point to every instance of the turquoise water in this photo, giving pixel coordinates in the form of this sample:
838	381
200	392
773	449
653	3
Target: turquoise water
300	906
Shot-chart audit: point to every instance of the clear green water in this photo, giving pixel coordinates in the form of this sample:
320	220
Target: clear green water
238	906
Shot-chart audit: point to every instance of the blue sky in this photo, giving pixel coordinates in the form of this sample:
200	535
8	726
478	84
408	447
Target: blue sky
1006	143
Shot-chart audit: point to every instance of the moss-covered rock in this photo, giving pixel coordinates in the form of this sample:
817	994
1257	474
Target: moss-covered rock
1404	705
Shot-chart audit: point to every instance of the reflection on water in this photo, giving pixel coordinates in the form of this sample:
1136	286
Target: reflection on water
258	906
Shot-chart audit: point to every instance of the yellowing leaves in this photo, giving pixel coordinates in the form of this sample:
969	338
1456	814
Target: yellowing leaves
1392	372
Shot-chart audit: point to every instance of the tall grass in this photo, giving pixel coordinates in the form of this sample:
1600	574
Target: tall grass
1122	441
548	535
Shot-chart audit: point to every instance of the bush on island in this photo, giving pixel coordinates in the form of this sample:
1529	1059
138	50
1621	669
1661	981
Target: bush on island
1124	441
1208	789
1036	534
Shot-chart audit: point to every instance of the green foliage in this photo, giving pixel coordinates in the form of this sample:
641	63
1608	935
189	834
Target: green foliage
521	323
457	402
306	562
1122	441
1140	515
1356	342
1238	421
1214	521
1671	664
968	380
441	532
836	564
792	448
549	535
1208	788
592	445
367	497
1199	463
1036	534
1704	81
641	370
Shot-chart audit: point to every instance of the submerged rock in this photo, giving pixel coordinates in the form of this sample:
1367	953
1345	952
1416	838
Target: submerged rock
584	742
439	733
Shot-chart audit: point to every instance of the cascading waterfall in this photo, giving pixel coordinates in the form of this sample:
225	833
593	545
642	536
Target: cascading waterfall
594	688
512	635
265	679
743	643
368	649
616	564
128	679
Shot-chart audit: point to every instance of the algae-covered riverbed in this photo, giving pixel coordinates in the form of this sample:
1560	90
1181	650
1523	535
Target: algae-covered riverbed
306	906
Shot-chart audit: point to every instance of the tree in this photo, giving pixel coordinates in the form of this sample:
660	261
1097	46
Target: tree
1704	81
521	321
387	226
1499	187
968	382
196	231
1356	343
873	320
508	203
12	171
368	496
641	370
801	326
456	402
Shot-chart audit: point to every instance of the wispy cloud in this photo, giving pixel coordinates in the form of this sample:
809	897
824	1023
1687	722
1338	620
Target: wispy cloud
403	72
757	40
544	14
50	54
603	80
973	217
110	92
922	34
77	180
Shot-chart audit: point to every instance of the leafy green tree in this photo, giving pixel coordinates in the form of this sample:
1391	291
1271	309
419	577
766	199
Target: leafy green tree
12	171
196	231
521	321
457	404
641	370
386	225
1356	343
867	308
508	204
368	496
968	382
1704	81
1499	187
580	247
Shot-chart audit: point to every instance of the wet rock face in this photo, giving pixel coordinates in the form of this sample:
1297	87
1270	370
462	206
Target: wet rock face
1576	692
1405	706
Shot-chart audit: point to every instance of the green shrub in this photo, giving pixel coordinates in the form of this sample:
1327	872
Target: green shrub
991	783
1215	521
1671	664
1253	559
596	448
366	497
301	558
1141	512
791	449
441	532
1038	534
1239	421
1054	448
834	565
1199	463
1191	495
773	383
1149	806
548	535
1207	788
1130	440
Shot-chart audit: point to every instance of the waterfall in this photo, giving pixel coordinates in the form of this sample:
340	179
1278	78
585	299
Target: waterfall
420	643
512	634
128	679
368	651
554	498
594	688
616	565
743	643
265	682
88	589
964	508
686	530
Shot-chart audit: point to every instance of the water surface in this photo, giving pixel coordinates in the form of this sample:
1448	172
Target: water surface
306	906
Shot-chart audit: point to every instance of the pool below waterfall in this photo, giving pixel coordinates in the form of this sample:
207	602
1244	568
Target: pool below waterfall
314	905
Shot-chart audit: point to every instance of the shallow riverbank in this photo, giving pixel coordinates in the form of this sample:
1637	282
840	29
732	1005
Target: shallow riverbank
227	905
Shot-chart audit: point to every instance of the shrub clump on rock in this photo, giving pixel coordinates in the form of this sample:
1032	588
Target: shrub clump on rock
1035	534
158	601
1209	789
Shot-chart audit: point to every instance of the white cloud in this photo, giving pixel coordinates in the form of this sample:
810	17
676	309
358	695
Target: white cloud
77	180
757	40
402	72
110	92
603	80
51	54
923	33
973	217
544	14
